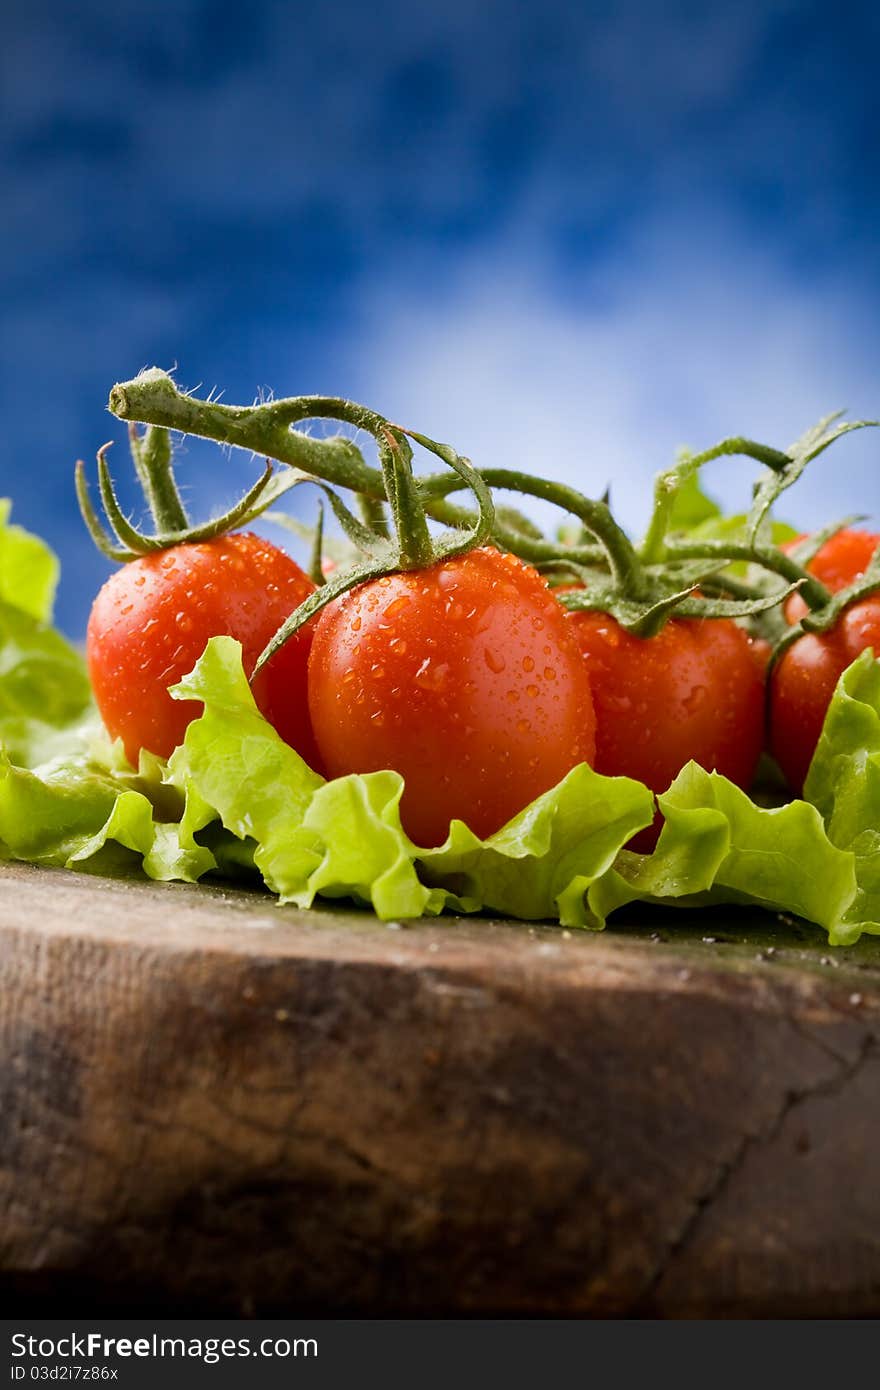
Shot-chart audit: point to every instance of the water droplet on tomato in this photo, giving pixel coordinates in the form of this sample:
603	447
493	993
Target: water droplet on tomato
356	624
537	624
396	605
696	699
549	673
398	645
528	663
531	690
431	676
523	725
618	703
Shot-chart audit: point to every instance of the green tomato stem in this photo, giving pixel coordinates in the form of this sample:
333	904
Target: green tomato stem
316	559
595	515
812	591
97	531
152	460
416	550
666	485
372	510
153	398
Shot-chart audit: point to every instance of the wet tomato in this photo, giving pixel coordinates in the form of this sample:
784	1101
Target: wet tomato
152	619
693	691
803	680
465	678
841	560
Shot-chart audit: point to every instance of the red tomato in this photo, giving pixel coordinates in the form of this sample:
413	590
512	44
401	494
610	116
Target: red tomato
803	681
842	559
152	619
694	691
465	678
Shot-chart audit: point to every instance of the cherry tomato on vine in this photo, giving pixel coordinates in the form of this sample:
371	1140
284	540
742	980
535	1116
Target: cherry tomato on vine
842	559
803	680
152	619
465	678
694	691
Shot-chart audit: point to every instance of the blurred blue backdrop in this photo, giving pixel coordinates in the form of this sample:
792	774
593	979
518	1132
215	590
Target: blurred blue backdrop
569	235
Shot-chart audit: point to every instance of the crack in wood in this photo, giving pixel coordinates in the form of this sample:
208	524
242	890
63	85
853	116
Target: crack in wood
685	1238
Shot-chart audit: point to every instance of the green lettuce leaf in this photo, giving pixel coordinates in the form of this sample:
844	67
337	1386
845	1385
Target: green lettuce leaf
45	700
544	862
717	846
29	570
344	838
68	814
844	784
45	697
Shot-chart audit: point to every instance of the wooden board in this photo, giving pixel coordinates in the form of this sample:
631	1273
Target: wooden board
208	1103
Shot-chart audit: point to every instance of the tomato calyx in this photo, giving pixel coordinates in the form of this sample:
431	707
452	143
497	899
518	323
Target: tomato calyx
412	547
766	573
825	618
121	541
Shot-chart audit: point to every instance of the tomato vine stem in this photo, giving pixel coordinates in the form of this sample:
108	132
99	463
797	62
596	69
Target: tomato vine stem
596	517
153	398
151	453
642	595
668	483
812	590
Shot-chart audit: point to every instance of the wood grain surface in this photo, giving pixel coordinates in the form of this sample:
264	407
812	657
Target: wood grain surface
212	1104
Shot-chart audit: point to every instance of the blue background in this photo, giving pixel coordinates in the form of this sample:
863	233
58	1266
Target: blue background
567	236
